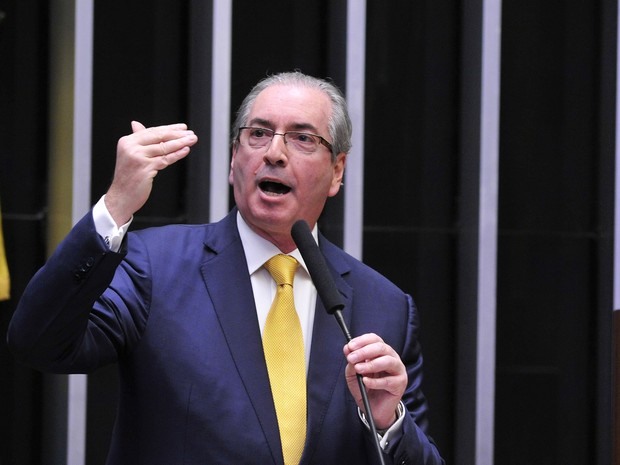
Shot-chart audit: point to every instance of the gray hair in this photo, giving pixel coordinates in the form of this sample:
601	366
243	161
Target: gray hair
339	124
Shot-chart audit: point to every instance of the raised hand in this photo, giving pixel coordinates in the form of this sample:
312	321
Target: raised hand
139	157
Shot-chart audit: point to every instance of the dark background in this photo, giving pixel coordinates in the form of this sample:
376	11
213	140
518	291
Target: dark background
554	287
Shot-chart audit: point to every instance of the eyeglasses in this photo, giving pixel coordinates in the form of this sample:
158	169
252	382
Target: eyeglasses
303	142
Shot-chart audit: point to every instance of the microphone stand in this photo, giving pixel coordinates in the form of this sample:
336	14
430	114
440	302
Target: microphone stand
360	381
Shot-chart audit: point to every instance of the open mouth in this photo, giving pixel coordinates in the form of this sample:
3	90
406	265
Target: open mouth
275	188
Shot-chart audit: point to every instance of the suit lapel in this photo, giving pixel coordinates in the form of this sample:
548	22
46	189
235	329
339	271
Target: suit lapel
225	275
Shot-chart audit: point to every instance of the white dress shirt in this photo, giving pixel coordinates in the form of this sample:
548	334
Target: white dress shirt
257	252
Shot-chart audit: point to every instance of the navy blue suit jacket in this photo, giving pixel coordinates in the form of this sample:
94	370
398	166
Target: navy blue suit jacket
174	309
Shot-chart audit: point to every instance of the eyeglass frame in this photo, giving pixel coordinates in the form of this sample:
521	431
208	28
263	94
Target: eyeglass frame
322	140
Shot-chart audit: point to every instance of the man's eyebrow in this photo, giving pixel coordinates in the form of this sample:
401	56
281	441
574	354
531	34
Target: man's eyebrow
260	122
293	127
303	127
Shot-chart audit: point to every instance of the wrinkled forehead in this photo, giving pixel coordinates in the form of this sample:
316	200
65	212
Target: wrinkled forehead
291	107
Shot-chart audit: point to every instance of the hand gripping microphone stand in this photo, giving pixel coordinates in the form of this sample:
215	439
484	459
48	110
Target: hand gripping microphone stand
333	303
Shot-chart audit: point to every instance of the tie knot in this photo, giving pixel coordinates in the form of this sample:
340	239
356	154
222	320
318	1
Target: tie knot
282	268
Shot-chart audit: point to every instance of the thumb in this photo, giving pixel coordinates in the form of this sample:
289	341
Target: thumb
136	126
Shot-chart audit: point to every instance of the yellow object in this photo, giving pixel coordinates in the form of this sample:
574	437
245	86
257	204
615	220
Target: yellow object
284	352
5	281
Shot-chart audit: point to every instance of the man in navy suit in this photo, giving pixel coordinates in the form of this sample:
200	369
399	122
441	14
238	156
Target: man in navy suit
181	308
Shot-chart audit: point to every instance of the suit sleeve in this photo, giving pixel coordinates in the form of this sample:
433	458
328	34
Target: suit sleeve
69	319
414	446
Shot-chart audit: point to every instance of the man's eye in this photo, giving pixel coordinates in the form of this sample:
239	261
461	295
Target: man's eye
302	138
258	133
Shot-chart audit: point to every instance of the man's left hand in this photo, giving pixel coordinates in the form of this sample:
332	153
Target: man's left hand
384	376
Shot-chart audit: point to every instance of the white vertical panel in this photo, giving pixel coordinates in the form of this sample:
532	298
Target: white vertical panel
81	203
487	240
220	108
355	84
82	107
77	392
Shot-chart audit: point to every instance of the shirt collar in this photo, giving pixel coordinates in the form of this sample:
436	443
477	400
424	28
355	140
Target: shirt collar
258	250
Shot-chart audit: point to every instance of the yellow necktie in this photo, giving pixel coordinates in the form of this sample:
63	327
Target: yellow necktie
286	363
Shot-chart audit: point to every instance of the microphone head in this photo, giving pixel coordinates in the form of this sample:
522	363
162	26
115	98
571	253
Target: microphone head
302	235
319	272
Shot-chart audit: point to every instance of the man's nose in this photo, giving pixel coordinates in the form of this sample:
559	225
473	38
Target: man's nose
277	151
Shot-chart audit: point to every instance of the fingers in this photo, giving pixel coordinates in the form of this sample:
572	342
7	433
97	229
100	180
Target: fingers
157	134
164	144
367	346
170	147
377	362
136	126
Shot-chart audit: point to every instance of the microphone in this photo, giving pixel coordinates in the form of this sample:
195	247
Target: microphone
332	300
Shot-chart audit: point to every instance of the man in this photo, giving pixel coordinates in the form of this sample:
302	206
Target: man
185	310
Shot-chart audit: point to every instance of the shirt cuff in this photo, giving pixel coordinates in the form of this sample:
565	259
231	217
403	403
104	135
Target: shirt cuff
385	436
106	226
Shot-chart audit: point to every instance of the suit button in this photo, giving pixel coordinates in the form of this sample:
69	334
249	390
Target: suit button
83	268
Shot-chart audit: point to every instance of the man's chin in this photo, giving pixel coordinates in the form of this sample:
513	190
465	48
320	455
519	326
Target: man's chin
271	221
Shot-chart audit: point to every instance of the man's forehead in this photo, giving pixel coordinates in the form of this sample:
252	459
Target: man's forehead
298	91
301	106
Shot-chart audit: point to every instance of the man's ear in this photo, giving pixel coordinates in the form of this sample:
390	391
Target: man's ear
232	163
339	166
